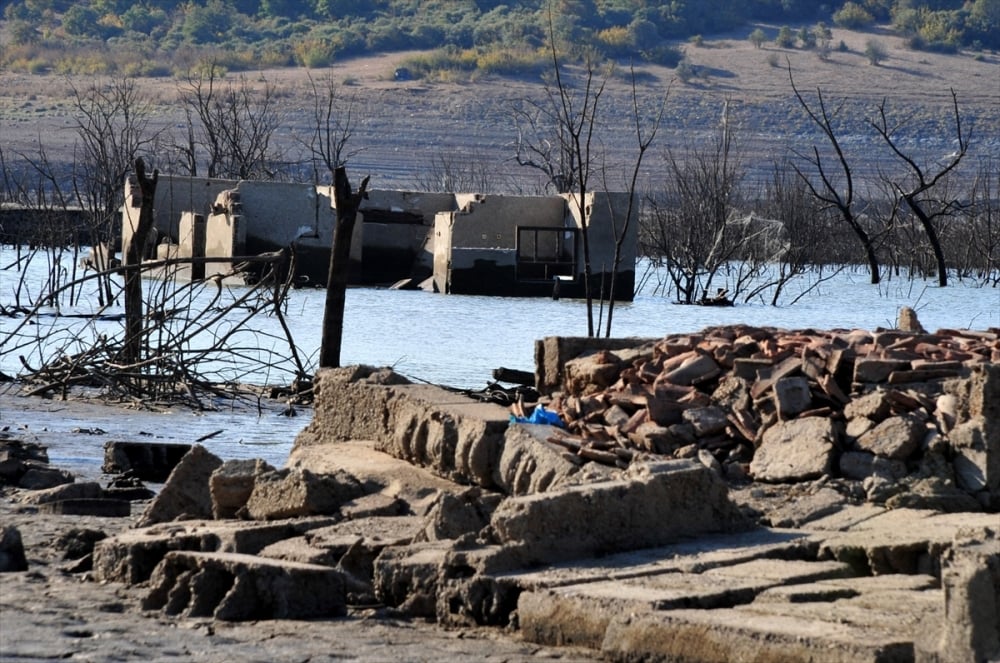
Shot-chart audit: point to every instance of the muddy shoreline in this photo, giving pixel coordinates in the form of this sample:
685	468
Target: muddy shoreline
54	611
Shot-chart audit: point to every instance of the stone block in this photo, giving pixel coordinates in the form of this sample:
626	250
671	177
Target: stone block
795	450
874	369
591	372
971	579
455	515
874	406
580	614
66	491
131	556
901	540
40	478
407	576
976	462
232	483
706	420
860	465
186	494
452	435
102	507
236	587
792	396
528	463
721	636
625	514
12	557
147	461
698	368
293	493
415	486
896	437
553	352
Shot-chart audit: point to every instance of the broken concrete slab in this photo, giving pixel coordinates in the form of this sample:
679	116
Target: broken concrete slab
906	541
147	461
131	556
236	587
580	614
653	504
721	636
293	493
795	450
187	493
232	483
840	588
327	544
529	463
454	436
971	580
894	438
379	472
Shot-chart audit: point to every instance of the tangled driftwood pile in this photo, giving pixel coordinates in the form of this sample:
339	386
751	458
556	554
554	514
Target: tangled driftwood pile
780	405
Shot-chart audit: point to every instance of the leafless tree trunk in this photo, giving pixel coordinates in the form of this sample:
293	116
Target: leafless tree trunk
562	139
984	222
644	139
134	329
916	196
347	203
827	190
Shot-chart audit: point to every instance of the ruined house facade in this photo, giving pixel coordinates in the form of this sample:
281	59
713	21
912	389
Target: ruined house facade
478	244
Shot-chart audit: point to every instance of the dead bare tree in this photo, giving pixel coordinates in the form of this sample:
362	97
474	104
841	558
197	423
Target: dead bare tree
333	119
450	173
644	136
562	139
235	125
918	193
983	239
697	221
112	130
132	348
347	202
827	190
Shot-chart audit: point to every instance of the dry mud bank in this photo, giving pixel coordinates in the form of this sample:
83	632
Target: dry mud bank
404	127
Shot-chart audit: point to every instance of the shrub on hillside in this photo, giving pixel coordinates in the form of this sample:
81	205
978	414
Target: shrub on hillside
852	16
785	38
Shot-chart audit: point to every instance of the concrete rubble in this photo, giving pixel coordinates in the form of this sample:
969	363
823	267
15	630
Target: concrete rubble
735	494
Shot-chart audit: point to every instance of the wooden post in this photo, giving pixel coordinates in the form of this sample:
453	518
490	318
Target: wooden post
133	255
347	203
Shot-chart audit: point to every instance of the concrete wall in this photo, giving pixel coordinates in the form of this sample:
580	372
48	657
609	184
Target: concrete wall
174	195
607	214
491	221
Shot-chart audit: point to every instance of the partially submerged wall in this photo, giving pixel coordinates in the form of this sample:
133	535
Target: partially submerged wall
469	243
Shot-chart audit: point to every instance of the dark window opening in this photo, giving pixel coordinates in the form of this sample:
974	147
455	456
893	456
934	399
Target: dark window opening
376	215
545	253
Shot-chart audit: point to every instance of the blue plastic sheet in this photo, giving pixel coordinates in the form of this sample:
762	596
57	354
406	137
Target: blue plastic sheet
540	416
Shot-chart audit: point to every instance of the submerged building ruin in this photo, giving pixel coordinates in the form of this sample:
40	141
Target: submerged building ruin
460	243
